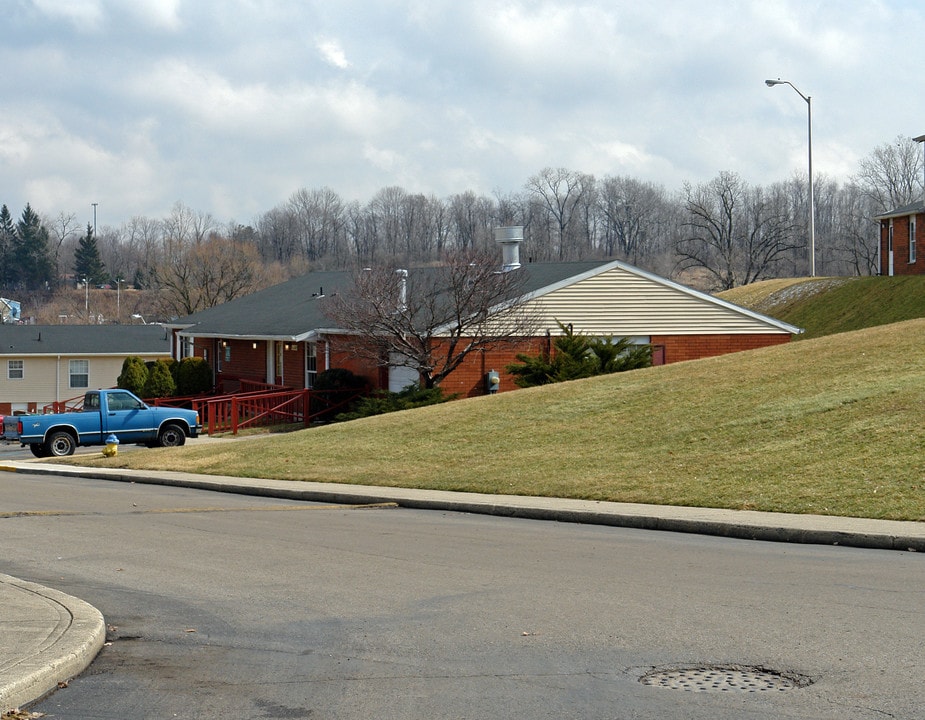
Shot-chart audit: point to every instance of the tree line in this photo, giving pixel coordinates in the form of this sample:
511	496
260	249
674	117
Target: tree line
715	235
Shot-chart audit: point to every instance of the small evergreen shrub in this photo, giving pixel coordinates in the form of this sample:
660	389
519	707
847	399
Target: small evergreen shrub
134	375
578	356
160	382
331	388
193	376
383	401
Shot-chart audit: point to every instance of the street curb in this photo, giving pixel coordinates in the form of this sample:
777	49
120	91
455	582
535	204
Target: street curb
739	524
69	652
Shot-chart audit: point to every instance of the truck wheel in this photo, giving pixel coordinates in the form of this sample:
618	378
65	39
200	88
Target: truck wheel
38	450
171	435
60	444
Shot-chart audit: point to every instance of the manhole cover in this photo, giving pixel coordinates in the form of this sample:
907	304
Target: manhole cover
723	678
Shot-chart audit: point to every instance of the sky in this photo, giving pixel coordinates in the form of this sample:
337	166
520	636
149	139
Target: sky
231	106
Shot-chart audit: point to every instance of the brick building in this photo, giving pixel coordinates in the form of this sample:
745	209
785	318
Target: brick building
901	234
281	335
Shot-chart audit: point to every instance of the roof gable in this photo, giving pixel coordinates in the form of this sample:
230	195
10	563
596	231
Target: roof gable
617	299
606	297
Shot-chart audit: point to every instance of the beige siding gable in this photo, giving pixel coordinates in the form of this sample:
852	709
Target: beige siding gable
624	302
47	379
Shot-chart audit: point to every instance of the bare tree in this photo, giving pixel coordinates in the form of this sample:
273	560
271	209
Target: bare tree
631	212
193	276
471	220
736	233
320	218
892	174
143	237
187	225
856	240
431	319
63	229
561	192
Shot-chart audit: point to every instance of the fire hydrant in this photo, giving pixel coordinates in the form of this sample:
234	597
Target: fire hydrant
112	446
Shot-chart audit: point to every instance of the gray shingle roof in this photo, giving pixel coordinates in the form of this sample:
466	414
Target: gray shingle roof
121	340
290	310
911	209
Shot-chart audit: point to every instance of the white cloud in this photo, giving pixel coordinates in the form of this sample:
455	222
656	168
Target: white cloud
164	14
333	53
233	106
83	14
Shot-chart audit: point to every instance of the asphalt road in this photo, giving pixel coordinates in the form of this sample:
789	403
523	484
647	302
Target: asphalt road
224	606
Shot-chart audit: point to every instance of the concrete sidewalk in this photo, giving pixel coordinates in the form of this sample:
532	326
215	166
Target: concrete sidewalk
47	637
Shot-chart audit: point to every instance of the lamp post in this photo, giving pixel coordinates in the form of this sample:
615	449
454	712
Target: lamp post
921	139
118	300
812	204
87	300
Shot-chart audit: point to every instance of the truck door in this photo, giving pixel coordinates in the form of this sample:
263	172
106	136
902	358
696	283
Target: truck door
128	418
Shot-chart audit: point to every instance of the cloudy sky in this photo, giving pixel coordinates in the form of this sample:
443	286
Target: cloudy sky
230	106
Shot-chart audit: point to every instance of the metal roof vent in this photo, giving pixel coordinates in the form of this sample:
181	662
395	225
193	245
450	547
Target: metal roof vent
510	238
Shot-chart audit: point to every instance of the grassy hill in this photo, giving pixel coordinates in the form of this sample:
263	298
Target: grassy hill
831	425
823	306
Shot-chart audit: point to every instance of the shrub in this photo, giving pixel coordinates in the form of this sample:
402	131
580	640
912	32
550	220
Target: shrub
579	356
134	375
332	387
383	401
160	382
193	376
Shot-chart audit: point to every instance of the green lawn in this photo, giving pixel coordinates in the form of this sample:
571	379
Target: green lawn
832	425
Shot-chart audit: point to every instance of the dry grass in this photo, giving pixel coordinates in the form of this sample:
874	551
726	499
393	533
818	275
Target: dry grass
831	426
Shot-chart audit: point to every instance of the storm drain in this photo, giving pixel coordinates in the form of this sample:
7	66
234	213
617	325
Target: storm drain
723	678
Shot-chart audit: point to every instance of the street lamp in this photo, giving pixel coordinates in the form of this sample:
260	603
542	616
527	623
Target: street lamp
136	316
87	299
812	204
921	139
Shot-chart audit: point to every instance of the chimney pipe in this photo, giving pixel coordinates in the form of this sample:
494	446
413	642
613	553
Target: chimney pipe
510	238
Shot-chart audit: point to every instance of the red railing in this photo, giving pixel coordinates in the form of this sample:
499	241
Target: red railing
236	412
60	406
253	406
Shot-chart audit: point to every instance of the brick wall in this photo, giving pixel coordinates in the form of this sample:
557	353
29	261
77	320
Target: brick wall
901	264
693	347
468	380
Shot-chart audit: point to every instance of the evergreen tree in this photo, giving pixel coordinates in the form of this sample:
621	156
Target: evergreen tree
134	375
160	382
31	259
194	376
7	236
87	262
578	356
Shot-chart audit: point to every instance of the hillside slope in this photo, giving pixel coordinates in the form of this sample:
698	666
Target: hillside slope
823	306
832	426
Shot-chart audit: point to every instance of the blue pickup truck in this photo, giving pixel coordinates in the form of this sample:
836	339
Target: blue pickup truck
104	413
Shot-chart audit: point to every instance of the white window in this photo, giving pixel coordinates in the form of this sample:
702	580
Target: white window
14	369
79	373
311	364
912	240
